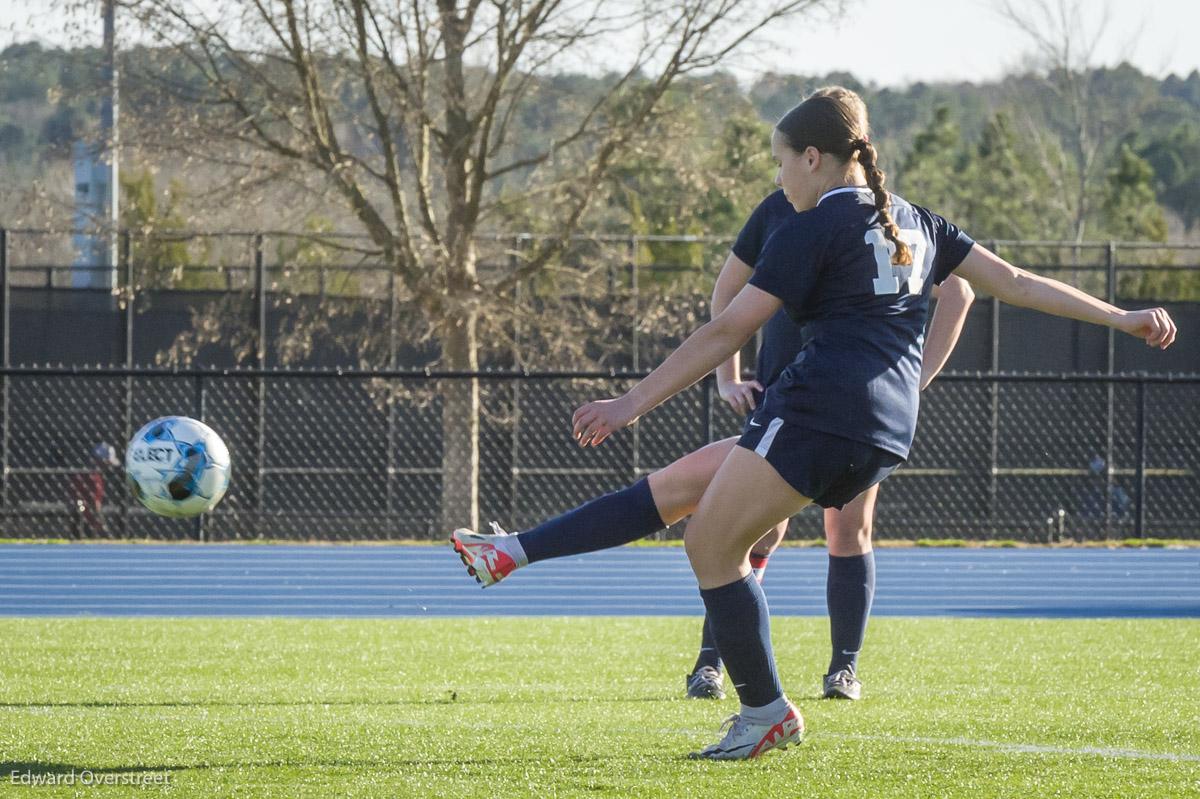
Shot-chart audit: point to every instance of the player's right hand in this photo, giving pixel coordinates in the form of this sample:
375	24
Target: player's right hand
1153	324
739	395
592	423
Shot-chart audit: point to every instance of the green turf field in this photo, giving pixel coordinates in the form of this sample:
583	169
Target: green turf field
590	707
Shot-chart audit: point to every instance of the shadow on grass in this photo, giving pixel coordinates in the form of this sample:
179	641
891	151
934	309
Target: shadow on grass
39	769
247	703
7	768
448	699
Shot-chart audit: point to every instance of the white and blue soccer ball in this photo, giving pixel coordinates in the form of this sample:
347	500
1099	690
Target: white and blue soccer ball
177	467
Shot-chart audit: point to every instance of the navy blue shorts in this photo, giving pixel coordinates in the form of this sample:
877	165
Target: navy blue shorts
829	470
758	403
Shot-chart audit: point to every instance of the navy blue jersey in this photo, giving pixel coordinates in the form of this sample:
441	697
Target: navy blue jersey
782	338
858	376
769	214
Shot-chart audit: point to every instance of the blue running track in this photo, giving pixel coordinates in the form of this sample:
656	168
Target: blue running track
384	581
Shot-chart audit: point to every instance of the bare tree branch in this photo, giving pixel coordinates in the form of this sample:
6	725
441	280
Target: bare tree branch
1066	48
406	108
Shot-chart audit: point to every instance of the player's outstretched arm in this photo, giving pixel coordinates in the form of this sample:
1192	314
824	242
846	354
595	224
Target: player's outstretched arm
734	276
697	356
954	298
991	273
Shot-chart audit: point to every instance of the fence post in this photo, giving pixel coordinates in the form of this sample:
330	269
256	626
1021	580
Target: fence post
1140	520
5	309
390	442
994	422
635	460
260	302
260	306
1110	405
634	255
1110	294
199	409
5	351
518	363
127	259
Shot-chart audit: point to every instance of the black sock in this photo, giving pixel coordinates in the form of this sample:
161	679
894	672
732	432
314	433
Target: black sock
709	654
849	591
741	625
608	521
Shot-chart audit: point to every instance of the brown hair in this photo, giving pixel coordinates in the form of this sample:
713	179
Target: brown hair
834	120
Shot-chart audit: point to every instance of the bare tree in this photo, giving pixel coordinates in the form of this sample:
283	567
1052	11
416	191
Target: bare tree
407	110
1066	35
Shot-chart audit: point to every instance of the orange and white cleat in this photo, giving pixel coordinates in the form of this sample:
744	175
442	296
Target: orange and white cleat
746	740
488	558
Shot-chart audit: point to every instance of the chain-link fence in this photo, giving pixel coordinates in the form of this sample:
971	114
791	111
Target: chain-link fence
359	455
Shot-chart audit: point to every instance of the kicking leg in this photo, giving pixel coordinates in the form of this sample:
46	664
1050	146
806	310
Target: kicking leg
614	519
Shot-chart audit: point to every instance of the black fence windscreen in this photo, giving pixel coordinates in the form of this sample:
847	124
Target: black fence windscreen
360	455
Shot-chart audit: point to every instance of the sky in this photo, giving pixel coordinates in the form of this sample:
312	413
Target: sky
968	40
885	42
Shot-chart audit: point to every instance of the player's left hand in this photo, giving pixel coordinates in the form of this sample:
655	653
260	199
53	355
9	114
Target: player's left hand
740	395
1153	324
595	421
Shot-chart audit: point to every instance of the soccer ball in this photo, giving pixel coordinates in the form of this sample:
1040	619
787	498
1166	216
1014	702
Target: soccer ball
177	467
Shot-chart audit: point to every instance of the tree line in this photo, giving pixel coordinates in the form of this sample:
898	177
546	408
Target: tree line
996	157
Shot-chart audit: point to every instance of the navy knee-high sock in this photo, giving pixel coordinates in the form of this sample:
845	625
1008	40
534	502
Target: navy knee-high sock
741	625
849	590
709	654
608	521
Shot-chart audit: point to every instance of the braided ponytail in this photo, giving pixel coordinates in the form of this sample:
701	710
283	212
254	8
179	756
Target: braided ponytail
834	120
875	179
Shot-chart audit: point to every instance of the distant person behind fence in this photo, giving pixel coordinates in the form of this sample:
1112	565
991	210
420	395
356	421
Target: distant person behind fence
85	491
1092	506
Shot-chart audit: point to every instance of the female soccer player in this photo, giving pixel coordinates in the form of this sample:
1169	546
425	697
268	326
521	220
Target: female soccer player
672	493
675	490
850	582
857	264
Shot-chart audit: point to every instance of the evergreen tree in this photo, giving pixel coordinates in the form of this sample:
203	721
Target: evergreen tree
1175	159
159	245
1010	191
1130	210
932	172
